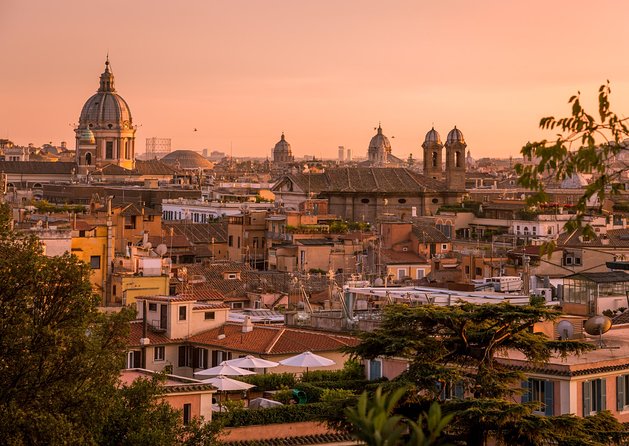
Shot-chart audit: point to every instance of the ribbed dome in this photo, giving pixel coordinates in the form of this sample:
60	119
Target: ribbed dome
187	159
455	135
106	109
87	137
282	146
433	137
379	142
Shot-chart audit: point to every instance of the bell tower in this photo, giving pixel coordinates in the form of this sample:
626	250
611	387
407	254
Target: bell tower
455	160
433	152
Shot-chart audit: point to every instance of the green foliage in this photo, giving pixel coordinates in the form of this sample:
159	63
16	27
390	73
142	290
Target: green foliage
313	392
459	344
46	207
583	144
352	370
284	396
331	395
270	381
60	358
374	423
282	414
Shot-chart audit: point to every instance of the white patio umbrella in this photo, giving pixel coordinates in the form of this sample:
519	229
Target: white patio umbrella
251	362
225	384
225	369
307	359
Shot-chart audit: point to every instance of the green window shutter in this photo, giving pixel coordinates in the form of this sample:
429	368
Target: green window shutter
526	393
620	393
603	393
587	392
549	398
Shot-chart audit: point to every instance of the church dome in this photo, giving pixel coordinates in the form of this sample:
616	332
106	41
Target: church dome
433	137
282	146
187	159
455	135
379	142
106	109
87	137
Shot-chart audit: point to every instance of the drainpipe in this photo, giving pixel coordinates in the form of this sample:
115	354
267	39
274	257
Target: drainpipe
144	330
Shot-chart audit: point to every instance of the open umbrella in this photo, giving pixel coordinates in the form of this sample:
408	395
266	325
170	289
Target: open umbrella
225	369
307	359
251	362
225	384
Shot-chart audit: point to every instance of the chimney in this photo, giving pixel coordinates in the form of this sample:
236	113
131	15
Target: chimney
247	325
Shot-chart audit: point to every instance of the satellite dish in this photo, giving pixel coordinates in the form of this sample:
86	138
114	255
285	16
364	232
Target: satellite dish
161	249
565	330
597	325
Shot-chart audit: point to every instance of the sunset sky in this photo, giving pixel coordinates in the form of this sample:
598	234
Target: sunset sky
324	72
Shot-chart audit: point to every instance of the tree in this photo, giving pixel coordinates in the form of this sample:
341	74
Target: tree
458	347
583	145
60	358
373	423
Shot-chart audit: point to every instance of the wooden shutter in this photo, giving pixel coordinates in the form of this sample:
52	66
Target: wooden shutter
214	358
182	356
549	397
620	393
603	394
587	398
137	359
203	364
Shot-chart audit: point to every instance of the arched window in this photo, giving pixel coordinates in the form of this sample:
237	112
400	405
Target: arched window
457	159
88	158
434	159
126	149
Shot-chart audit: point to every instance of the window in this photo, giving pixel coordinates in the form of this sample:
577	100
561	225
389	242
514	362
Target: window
401	273
187	413
594	395
479	271
236	305
375	369
129	222
450	390
622	393
401	200
95	262
444	246
541	391
185	356
238	245
230	240
183	313
134	359
81	233
435	200
420	274
109	149
200	358
365	200
210	315
159	353
153	307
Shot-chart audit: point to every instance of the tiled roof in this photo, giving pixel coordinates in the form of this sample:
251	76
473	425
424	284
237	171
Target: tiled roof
135	334
201	292
176	241
137	209
209	306
114	169
622	318
179	298
213	274
614	238
153	167
268	340
429	234
368	180
199	232
37	167
327	439
390	257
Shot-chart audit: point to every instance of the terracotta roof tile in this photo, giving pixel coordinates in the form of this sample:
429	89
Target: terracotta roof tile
268	340
135	334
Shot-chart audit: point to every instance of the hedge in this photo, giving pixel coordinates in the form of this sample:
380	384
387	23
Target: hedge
283	414
270	381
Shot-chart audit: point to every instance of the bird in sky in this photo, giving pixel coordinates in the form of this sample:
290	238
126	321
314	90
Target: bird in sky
195	129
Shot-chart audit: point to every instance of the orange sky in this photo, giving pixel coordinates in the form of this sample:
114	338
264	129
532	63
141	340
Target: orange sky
324	72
